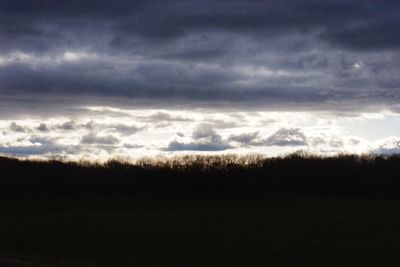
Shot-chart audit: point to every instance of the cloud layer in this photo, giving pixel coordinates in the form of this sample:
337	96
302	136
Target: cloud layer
286	55
94	79
148	132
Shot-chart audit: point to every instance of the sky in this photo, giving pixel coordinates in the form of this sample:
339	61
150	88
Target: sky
100	79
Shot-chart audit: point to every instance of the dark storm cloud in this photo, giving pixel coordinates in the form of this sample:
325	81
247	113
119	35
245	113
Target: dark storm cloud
21	79
170	20
334	55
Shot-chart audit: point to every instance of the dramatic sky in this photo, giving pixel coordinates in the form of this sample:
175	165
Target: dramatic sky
95	79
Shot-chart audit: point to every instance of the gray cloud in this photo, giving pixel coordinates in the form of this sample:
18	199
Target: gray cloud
122	129
336	143
205	131
205	139
286	137
245	138
386	151
40	146
317	141
43	127
163	117
94	139
177	146
132	146
30	150
282	137
131	22
41	140
224	124
291	55
125	129
18	128
69	125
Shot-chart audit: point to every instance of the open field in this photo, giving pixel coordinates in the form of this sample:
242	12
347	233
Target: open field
199	231
201	211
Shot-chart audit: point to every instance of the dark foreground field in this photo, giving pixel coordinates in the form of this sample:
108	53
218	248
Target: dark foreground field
201	211
200	231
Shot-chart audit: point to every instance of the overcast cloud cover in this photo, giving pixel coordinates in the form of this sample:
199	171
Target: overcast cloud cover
99	78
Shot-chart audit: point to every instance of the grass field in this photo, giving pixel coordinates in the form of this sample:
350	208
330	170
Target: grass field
200	231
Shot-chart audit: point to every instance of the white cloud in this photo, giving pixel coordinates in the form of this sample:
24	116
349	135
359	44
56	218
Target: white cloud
387	146
38	60
135	133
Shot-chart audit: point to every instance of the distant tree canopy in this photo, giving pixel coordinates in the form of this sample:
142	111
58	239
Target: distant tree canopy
296	174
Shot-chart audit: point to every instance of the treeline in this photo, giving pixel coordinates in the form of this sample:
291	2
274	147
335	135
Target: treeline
297	174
